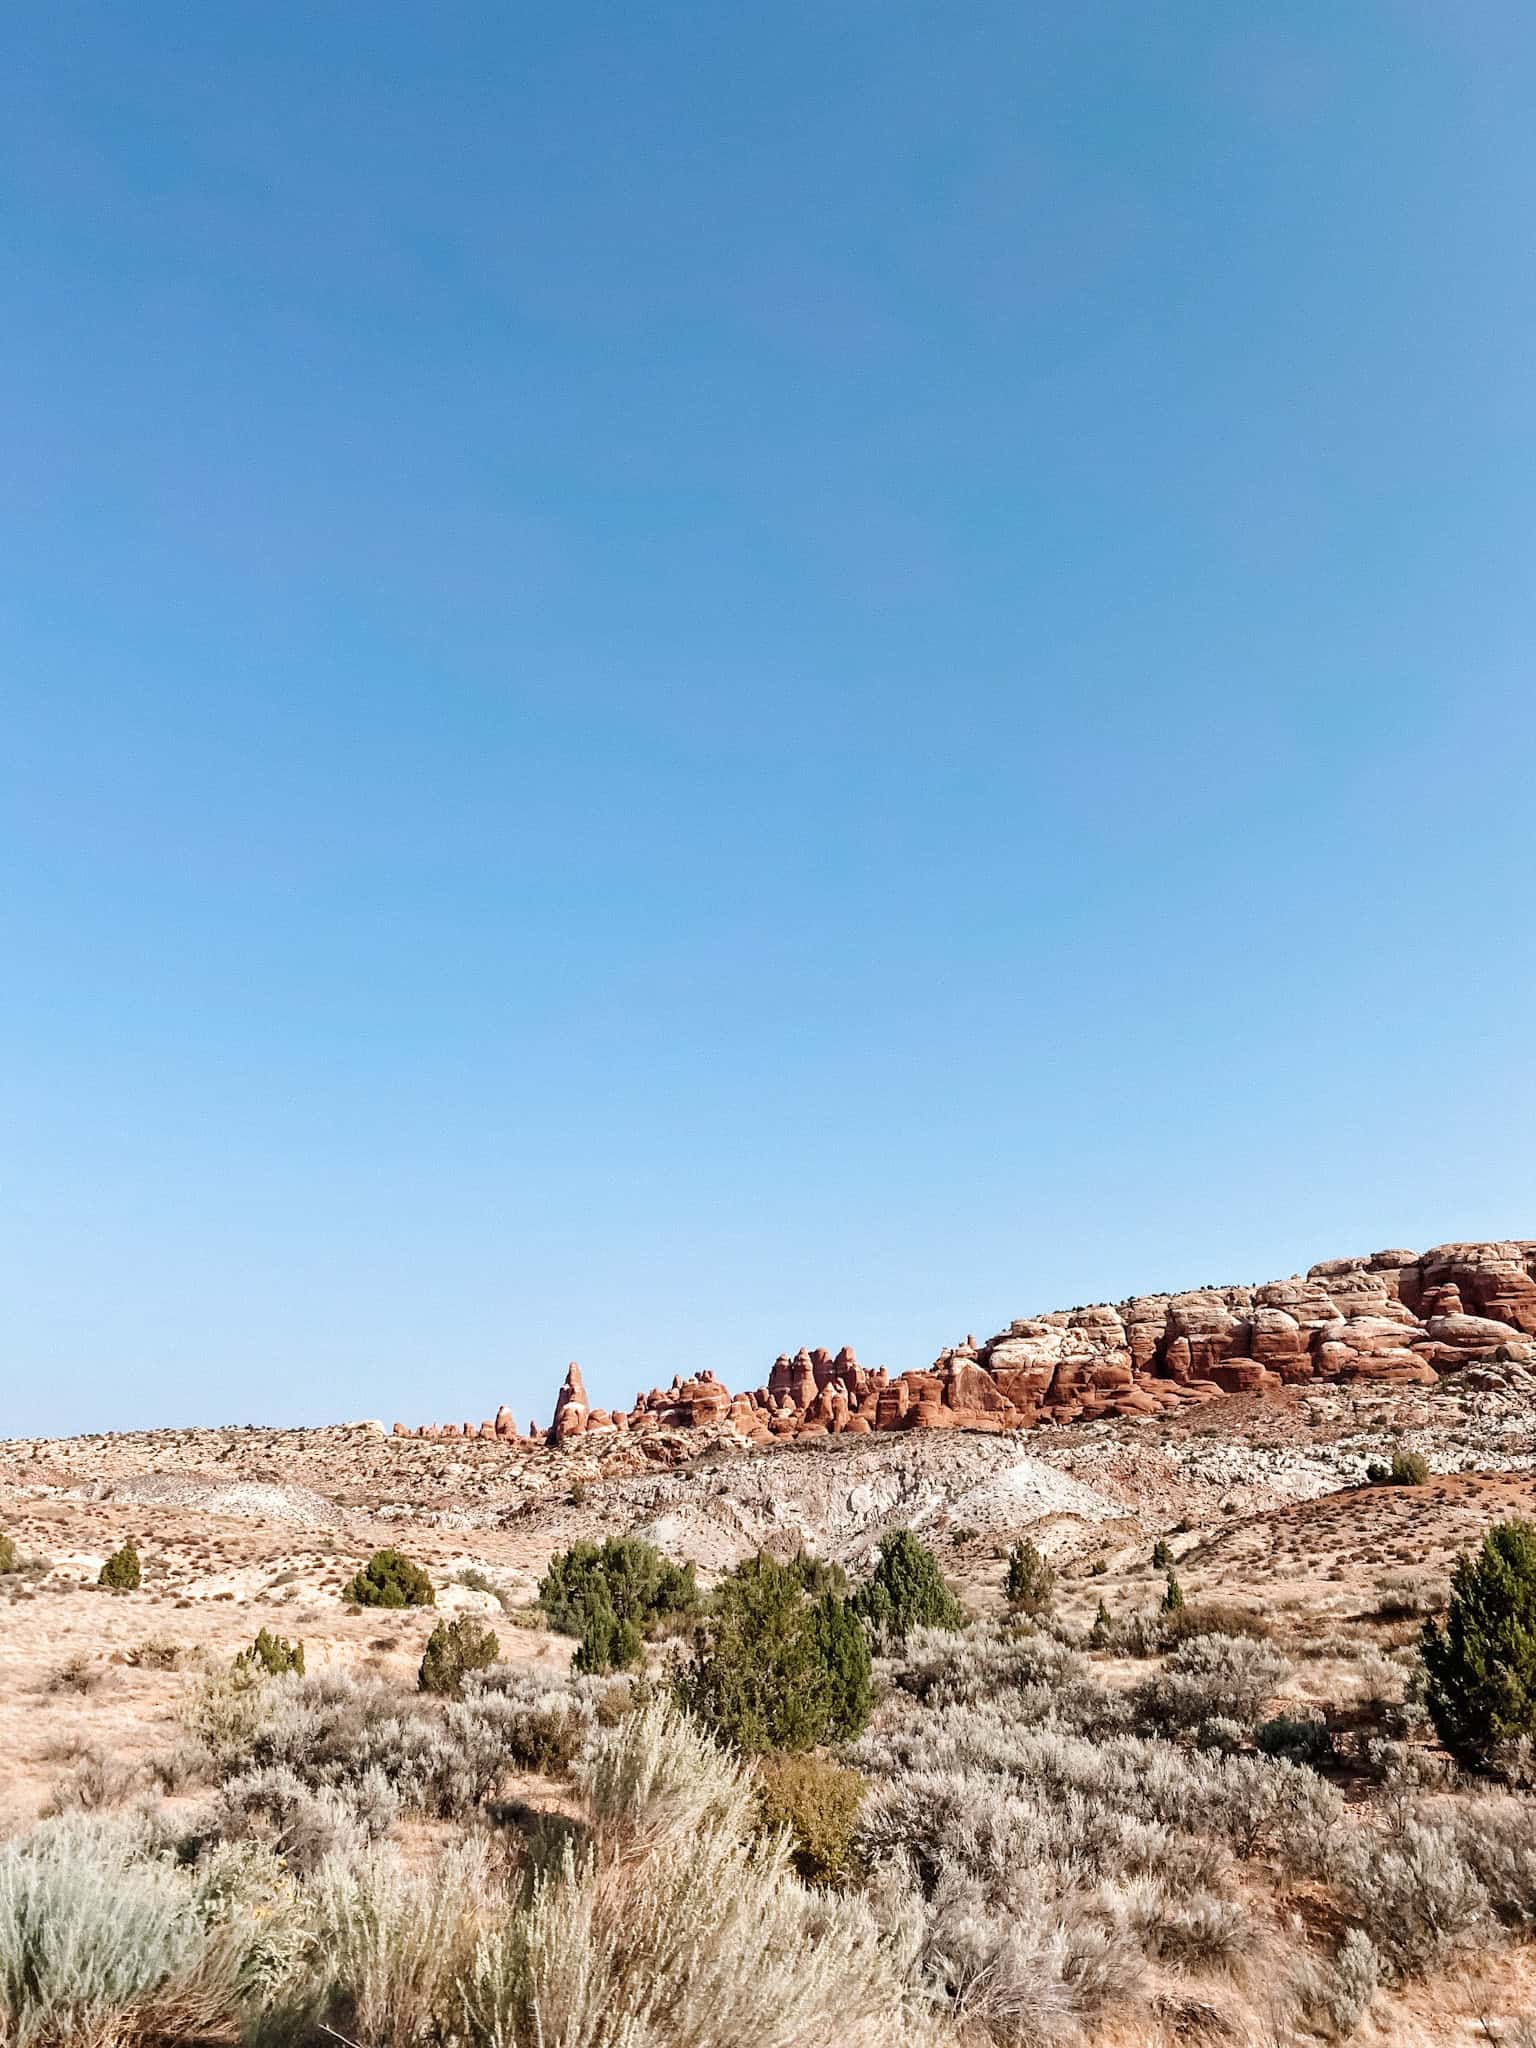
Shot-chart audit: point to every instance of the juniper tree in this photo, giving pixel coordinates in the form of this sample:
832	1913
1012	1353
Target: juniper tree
121	1570
455	1648
1481	1666
907	1590
772	1669
390	1579
1030	1585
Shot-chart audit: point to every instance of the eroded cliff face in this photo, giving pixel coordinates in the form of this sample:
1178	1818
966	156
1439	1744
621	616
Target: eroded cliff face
1393	1316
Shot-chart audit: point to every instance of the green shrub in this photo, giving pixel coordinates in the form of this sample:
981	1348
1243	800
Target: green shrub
390	1580
1162	1555
274	1655
607	1643
1481	1666
454	1648
1102	1633
121	1570
844	1647
818	1575
1406	1469
1299	1738
1030	1585
624	1578
9	1562
1173	1596
907	1591
818	1802
771	1669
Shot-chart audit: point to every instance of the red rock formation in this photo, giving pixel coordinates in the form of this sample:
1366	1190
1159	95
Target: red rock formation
570	1407
1396	1316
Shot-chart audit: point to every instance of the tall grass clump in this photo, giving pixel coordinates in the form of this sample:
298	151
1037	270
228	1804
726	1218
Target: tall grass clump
388	1953
677	1925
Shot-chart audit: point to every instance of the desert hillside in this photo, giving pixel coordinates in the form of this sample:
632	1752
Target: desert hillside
1251	1492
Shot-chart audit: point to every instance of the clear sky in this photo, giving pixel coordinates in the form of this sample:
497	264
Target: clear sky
676	680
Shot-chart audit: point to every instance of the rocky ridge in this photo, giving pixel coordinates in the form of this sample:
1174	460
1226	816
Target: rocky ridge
1393	1317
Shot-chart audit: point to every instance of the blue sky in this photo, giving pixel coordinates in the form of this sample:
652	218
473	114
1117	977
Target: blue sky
678	680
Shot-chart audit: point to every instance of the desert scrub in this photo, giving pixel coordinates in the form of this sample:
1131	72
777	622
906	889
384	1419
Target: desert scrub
94	1785
102	1942
1209	1678
817	1802
9	1561
1410	1596
1412	1892
1406	1469
122	1571
1051	1862
440	1757
1333	1997
388	1953
299	1824
1211	1618
159	1653
389	1579
225	1715
454	1649
476	1581
667	1919
77	1674
1302	1738
1040	1679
